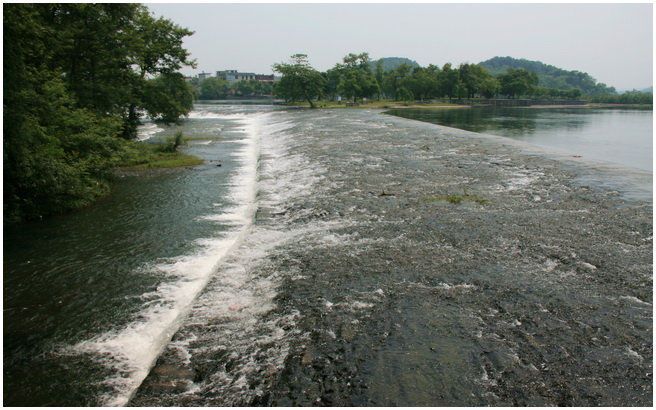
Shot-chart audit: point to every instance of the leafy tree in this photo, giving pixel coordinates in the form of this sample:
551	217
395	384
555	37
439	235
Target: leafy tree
448	81
380	75
396	79
423	82
69	81
168	97
356	80
331	81
489	87
261	88
156	49
517	82
213	88
473	78
403	94
299	80
92	47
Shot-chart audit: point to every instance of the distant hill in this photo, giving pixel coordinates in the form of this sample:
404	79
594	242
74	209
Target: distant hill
548	75
390	63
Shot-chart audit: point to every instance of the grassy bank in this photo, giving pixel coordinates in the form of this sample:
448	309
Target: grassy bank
144	156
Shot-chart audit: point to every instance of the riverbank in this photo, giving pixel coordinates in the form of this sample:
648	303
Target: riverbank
421	265
597	106
388	104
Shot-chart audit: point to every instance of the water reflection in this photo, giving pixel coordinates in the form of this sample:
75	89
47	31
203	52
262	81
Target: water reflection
619	136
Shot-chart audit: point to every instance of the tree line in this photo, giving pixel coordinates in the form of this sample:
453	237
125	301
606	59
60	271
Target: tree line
77	80
355	79
550	77
628	97
215	88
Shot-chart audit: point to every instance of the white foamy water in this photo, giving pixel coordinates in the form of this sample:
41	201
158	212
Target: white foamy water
147	131
207	114
231	317
130	352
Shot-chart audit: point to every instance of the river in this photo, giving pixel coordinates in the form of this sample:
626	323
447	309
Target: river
312	260
618	136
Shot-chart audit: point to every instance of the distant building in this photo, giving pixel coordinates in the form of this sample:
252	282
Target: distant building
265	78
203	76
228	75
232	76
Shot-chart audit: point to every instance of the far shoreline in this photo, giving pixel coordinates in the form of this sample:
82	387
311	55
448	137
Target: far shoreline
386	104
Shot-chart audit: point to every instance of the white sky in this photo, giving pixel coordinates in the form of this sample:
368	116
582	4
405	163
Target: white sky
612	42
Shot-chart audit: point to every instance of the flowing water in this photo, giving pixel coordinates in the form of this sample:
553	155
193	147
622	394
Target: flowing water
310	260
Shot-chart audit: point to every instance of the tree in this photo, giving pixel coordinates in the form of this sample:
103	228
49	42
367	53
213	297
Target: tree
448	81
474	77
168	97
489	87
380	75
156	48
573	93
213	88
356	80
331	81
299	80
107	52
423	82
395	80
517	82
70	77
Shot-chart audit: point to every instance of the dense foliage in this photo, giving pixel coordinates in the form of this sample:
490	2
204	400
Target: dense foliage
629	97
214	88
76	79
354	80
548	75
299	82
359	78
391	63
516	82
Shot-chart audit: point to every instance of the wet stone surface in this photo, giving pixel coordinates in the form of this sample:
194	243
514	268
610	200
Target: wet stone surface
422	265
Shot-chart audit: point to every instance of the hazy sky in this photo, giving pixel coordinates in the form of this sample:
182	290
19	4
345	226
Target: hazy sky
612	42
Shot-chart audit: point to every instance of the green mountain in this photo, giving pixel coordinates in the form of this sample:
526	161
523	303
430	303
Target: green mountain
550	76
390	63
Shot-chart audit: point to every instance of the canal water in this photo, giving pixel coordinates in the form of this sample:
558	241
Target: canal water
617	136
311	260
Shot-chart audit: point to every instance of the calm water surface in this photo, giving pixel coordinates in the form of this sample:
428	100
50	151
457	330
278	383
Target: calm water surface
619	136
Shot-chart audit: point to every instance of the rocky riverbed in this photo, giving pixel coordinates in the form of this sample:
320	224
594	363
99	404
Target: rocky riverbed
413	264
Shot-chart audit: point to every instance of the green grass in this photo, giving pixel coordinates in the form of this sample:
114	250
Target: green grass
457	199
167	160
142	156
